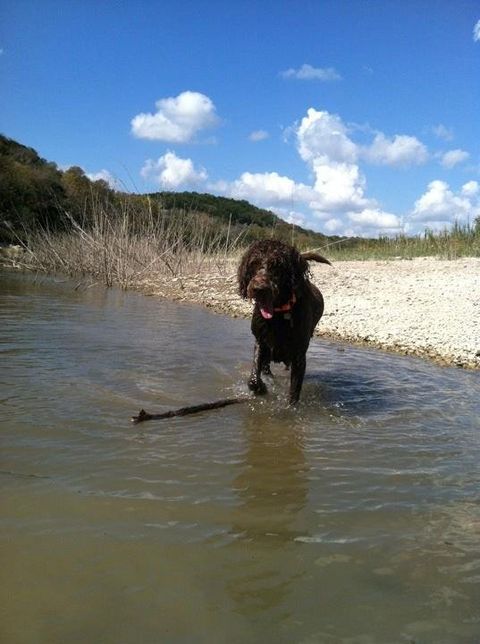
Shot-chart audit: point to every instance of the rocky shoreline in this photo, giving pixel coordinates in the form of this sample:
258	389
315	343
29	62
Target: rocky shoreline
426	307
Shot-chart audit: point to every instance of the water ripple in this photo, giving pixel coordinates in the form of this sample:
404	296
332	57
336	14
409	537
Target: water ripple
369	489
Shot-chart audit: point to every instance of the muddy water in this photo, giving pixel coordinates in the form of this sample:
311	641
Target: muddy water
354	519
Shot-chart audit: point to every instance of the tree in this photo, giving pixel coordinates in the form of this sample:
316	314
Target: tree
30	190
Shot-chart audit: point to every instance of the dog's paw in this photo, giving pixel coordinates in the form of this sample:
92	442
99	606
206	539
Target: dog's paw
257	386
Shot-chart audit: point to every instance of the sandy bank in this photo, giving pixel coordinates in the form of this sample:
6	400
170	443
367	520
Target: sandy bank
427	307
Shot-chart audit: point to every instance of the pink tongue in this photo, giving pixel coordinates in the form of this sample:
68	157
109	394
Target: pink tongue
266	313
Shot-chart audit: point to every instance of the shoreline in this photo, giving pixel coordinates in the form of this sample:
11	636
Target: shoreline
423	307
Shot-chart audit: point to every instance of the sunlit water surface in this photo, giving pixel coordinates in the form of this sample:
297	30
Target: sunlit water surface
354	519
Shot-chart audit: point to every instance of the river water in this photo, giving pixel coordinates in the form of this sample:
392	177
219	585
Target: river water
354	519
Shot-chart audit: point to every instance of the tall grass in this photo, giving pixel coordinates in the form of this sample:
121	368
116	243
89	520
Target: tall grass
462	240
127	242
123	246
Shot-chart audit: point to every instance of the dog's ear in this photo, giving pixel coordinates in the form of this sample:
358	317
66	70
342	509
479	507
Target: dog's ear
300	267
243	274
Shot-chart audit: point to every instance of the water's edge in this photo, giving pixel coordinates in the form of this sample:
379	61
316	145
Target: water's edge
222	300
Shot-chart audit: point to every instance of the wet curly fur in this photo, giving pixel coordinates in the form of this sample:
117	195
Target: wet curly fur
287	308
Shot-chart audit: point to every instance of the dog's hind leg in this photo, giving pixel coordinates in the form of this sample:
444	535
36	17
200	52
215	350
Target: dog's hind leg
297	374
265	362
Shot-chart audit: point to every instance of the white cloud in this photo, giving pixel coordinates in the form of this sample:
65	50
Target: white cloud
401	150
269	189
440	206
308	72
258	135
364	223
453	157
323	142
323	136
374	219
103	175
470	189
333	225
476	31
337	195
177	119
338	186
171	172
443	132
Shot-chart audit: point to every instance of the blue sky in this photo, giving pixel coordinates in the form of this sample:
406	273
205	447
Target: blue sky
348	117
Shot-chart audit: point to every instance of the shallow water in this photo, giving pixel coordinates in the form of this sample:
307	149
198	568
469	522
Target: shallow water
354	519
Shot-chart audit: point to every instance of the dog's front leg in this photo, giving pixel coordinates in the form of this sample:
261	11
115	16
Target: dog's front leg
296	378
261	357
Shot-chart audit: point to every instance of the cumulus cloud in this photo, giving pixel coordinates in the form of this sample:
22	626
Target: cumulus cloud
177	119
340	200
453	157
376	219
323	137
337	186
400	150
323	142
369	222
269	189
337	194
258	135
476	31
308	72
170	172
440	206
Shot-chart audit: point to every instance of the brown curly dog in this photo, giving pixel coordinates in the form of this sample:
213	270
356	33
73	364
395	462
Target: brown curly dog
287	309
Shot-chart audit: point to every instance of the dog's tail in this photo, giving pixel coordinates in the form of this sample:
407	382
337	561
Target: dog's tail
315	257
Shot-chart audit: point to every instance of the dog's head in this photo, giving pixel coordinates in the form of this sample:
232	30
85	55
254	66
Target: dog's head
269	273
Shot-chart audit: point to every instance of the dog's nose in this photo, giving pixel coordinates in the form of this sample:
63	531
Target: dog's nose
260	285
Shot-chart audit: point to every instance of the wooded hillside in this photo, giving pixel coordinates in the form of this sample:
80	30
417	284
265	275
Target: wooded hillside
35	193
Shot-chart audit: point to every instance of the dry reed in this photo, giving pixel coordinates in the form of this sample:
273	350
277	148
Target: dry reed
125	243
122	247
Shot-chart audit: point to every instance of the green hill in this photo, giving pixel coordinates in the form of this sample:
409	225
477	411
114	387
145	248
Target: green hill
240	214
34	194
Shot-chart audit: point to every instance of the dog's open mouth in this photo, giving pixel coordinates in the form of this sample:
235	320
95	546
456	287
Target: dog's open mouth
267	313
264	302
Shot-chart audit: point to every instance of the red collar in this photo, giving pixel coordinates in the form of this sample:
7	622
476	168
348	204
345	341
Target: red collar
286	307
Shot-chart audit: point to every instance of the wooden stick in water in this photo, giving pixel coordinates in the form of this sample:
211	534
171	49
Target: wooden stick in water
185	411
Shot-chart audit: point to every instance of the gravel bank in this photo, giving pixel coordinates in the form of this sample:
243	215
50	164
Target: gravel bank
427	307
